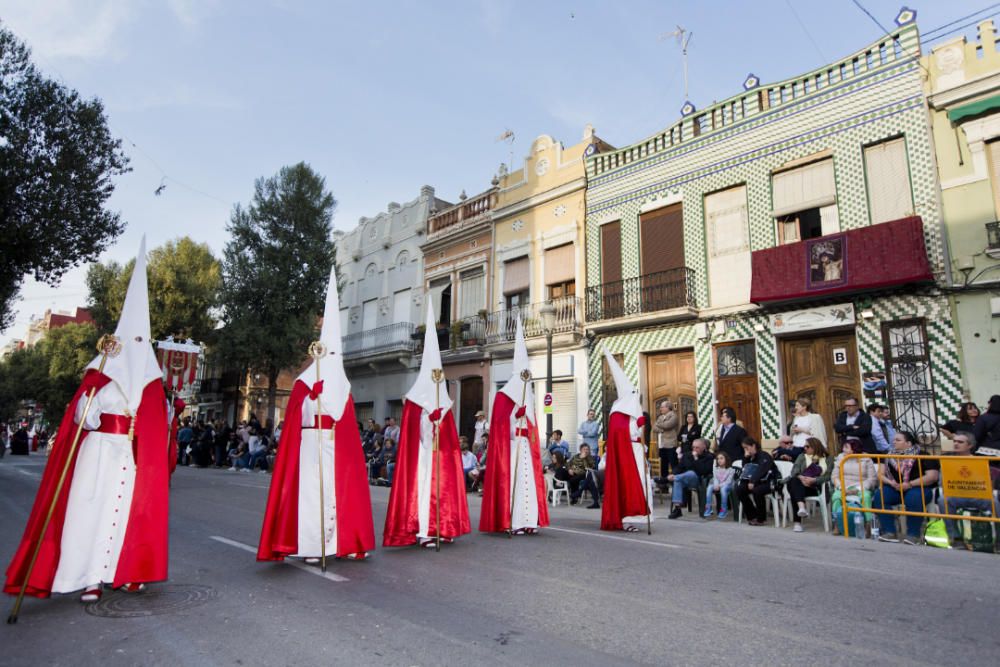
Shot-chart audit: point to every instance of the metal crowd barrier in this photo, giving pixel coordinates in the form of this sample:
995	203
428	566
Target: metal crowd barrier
979	483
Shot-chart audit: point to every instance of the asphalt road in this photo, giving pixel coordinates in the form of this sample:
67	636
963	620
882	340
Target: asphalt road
695	592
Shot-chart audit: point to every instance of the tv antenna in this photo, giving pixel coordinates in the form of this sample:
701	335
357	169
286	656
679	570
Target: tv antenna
683	38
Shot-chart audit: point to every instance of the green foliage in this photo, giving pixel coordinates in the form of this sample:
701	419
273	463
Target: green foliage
23	375
275	271
184	283
57	161
67	351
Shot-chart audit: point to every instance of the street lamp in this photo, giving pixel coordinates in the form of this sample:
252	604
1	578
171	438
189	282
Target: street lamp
547	313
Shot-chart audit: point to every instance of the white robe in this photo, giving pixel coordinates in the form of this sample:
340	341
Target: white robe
100	499
309	496
425	471
639	452
524	496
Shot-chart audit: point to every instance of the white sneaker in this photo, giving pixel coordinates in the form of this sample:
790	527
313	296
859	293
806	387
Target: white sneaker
797	528
803	513
232	469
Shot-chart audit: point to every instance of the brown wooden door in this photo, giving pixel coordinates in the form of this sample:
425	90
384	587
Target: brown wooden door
736	383
671	375
823	369
470	403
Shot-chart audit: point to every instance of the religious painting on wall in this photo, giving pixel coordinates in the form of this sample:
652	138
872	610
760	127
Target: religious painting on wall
827	262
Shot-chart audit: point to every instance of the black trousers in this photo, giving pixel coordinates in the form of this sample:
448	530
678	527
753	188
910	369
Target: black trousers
798	492
754	501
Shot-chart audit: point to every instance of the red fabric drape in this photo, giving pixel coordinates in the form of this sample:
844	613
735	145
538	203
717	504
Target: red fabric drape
882	255
355	529
402	519
495	514
144	550
623	494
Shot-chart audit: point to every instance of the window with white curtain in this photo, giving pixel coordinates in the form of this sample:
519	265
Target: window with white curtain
805	201
889	195
728	233
472	292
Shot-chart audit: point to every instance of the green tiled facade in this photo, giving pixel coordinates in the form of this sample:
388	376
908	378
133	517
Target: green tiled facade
869	97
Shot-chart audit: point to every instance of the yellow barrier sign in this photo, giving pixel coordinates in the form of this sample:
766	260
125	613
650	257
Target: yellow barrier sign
965	478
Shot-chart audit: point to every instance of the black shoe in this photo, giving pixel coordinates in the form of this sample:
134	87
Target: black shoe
675	513
574	500
594	506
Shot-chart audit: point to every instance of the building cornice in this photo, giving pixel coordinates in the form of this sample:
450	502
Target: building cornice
540	198
983	85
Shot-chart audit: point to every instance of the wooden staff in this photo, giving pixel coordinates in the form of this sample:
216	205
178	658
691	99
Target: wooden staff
108	346
437	375
317	350
525	378
646	492
175	367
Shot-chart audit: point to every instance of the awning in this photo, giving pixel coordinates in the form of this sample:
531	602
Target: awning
973	109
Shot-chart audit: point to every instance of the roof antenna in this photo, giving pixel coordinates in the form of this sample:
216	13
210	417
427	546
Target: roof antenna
683	38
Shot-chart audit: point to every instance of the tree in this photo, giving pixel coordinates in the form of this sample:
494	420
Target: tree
184	283
275	270
23	376
67	350
57	161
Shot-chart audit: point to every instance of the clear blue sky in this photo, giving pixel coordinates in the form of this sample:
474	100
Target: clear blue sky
383	97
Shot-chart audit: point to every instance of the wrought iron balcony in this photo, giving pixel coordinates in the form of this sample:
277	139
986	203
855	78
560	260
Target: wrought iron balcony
642	295
462	334
501	325
382	340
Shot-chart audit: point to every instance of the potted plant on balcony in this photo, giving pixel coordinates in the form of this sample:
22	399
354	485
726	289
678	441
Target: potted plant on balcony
483	314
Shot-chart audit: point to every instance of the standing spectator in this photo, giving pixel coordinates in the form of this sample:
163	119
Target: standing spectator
277	432
4	439
987	430
391	431
589	431
689	432
557	444
204	446
721	483
692	468
19	441
184	437
730	435
222	432
481	429
582	468
965	445
755	481
806	424
882	430
809	473
665	436
853	422
968	413
859	480
907	482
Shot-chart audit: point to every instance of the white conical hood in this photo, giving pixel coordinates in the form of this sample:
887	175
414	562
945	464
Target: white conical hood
336	387
424	392
628	398
135	365
515	385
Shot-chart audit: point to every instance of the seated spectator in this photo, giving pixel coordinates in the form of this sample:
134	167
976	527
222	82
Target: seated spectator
882	430
811	471
582	468
859	480
557	444
786	451
692	468
721	482
469	464
908	482
376	459
558	467
965	445
240	457
756	481
258	451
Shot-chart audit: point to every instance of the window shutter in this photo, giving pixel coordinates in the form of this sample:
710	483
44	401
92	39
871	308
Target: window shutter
889	196
662	239
560	264
726	215
472	298
611	252
808	186
516	275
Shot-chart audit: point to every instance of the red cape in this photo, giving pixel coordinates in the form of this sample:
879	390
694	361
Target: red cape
495	514
179	406
144	551
402	520
623	494
279	536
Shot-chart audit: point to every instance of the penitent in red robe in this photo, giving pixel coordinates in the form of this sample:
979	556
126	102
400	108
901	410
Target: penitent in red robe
402	522
495	514
144	553
623	494
355	530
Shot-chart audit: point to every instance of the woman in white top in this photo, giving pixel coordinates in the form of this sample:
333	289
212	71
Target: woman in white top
806	424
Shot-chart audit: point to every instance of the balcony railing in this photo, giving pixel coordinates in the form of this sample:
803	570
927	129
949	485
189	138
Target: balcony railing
651	293
390	338
462	215
501	325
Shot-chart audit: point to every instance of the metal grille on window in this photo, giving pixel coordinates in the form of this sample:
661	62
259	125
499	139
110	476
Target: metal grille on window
737	360
910	387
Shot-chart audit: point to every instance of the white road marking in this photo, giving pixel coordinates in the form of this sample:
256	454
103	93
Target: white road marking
35	475
615	537
311	569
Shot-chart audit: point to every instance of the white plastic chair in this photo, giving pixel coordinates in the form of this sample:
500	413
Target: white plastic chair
775	504
784	470
554	488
